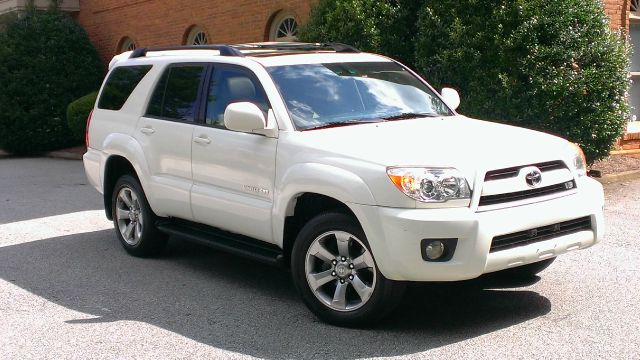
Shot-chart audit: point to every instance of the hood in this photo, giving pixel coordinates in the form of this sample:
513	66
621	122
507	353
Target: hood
460	142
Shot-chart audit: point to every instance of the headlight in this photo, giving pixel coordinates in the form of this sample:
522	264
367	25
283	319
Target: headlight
579	161
430	185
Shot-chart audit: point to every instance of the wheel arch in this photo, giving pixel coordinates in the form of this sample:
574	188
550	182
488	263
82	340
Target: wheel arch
125	156
115	167
317	188
304	207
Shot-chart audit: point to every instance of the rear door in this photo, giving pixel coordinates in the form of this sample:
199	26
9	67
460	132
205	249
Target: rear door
233	172
165	133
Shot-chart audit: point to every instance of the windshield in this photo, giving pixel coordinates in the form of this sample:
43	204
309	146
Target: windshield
335	94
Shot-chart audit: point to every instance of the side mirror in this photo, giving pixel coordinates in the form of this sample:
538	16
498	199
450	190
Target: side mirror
451	97
244	117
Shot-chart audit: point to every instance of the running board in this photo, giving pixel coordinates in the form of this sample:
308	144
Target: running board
225	241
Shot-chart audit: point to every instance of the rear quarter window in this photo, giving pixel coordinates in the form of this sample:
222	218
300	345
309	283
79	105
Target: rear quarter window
120	84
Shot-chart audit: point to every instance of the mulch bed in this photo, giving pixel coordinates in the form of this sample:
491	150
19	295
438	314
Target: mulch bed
617	163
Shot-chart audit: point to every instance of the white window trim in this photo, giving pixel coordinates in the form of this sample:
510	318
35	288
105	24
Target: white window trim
278	22
197	36
127	44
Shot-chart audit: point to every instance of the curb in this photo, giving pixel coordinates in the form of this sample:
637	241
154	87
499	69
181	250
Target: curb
625	152
619	177
68	154
63	155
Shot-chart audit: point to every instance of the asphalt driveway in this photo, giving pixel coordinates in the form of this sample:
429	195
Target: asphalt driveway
68	290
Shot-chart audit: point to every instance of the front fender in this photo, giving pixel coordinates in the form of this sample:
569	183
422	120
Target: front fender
321	179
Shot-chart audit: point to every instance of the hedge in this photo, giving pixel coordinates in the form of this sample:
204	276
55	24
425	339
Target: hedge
46	61
549	65
77	114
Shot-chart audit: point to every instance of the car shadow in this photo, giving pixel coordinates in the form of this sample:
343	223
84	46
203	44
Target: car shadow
241	306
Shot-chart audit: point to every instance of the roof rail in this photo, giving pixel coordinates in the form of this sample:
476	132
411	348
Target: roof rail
296	46
225	50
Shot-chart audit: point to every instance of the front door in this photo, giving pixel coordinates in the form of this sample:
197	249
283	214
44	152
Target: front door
233	172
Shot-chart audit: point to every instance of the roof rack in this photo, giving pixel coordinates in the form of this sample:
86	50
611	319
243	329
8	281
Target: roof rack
296	46
225	50
235	50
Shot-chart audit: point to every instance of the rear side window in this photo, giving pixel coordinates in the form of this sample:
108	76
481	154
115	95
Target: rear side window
176	95
120	84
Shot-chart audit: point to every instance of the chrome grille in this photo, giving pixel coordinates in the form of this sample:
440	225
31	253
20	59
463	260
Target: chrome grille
513	171
526	194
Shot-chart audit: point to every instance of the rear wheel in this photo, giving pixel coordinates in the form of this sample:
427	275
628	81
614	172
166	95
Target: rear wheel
336	274
134	220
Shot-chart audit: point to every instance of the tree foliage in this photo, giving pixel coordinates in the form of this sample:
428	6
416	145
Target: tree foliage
550	65
46	61
370	25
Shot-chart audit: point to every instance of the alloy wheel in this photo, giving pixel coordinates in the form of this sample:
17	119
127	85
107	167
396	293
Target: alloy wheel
340	271
129	216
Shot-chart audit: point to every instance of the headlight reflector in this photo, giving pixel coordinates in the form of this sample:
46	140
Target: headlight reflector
430	185
579	160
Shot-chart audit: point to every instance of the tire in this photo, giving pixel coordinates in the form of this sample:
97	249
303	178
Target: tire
133	219
527	271
332	253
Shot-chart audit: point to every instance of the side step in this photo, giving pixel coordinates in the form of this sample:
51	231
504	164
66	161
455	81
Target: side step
225	241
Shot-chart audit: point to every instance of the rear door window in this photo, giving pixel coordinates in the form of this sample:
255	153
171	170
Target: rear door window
120	84
176	94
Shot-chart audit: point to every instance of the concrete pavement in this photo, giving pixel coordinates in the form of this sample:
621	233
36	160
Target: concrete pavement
68	290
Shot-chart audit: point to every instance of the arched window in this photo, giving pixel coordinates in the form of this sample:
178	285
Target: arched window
284	27
197	36
127	44
635	5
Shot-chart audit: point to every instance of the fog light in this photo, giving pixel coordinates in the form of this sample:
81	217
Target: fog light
438	250
434	250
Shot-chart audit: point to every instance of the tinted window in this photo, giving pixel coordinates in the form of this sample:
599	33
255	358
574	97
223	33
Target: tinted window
122	81
230	85
176	94
322	94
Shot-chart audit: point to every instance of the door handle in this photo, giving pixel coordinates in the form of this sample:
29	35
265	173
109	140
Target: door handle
202	140
147	130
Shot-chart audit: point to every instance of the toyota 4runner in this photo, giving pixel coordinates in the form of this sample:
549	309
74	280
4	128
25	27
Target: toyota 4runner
345	166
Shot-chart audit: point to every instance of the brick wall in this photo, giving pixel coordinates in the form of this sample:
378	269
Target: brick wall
618	11
167	22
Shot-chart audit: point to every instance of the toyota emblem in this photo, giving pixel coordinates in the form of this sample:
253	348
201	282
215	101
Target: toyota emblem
533	177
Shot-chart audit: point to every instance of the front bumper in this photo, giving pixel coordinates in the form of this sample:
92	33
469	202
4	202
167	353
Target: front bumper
395	235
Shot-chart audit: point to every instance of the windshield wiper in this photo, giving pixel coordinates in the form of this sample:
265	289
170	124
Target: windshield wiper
405	116
342	123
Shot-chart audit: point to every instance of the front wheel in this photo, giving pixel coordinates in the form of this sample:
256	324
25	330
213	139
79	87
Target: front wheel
336	274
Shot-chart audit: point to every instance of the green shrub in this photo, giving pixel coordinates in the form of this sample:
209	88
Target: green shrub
551	65
77	114
46	61
371	25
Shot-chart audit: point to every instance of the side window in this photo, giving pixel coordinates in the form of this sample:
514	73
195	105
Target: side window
176	94
120	84
229	85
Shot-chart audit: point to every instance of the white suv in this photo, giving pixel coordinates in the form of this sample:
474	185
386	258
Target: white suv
345	166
